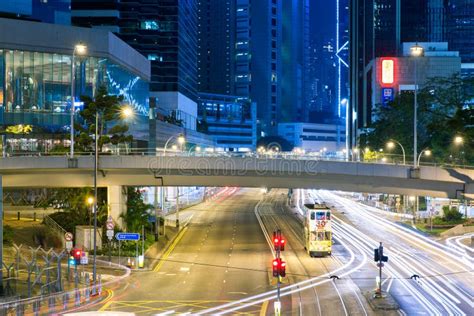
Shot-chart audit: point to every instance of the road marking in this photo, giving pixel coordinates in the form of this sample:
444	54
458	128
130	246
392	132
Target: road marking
263	310
184	269
169	250
108	300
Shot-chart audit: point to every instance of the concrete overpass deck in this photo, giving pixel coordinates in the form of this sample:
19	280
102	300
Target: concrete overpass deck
60	171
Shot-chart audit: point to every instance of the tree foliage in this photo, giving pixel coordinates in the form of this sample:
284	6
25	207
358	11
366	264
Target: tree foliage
445	110
137	211
110	129
74	206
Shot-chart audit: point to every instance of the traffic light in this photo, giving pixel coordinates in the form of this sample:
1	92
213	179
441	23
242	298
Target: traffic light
378	255
76	253
72	261
278	267
275	267
282	268
278	241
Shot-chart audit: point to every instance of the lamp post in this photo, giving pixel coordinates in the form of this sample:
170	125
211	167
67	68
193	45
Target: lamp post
391	145
180	138
79	49
125	113
416	51
425	151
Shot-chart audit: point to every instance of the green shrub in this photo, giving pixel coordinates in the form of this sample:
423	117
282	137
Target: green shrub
451	214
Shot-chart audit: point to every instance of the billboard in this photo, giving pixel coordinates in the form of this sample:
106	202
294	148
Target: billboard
387	72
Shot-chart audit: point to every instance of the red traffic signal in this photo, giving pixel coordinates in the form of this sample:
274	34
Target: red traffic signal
278	267
282	244
76	253
275	267
278	241
282	268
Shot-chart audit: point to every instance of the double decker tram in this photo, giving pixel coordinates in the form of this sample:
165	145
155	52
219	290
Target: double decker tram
317	229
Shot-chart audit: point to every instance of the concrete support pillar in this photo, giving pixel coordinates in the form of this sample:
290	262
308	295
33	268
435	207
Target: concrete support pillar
117	202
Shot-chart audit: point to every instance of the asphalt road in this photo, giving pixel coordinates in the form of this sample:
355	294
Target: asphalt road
423	275
338	297
221	256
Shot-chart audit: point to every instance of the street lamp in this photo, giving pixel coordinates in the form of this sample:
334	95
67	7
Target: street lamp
124	114
180	139
391	145
79	49
197	149
425	151
416	51
458	140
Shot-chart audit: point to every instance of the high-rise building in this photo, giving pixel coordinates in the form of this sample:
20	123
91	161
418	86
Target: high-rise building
265	62
56	12
240	54
164	31
328	65
378	29
216	46
294	55
460	28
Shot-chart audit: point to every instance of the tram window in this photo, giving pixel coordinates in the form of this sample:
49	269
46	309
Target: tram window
312	215
328	236
320	216
328	216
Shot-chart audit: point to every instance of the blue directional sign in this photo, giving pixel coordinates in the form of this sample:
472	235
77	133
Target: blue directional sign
127	236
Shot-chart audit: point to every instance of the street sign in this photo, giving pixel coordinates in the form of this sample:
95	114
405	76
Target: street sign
68	236
127	236
110	225
68	245
110	234
84	257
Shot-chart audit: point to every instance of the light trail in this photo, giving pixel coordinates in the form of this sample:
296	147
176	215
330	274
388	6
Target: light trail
443	291
408	235
456	243
290	289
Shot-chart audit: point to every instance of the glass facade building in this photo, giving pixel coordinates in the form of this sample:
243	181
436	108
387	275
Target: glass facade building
164	31
35	87
230	120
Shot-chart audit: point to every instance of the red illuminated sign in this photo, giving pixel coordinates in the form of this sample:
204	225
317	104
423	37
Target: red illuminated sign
387	71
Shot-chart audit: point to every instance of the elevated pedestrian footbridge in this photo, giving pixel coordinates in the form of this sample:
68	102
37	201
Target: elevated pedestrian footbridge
61	171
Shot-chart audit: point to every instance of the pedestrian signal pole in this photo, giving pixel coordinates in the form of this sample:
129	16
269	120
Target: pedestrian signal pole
279	266
380	259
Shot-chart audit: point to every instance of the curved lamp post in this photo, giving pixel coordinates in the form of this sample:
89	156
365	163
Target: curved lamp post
391	144
425	151
180	139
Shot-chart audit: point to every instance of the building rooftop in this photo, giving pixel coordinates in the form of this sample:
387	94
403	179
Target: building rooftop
61	39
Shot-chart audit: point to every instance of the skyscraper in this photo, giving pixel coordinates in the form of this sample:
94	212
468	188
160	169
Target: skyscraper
266	63
216	46
165	31
56	12
460	27
294	55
